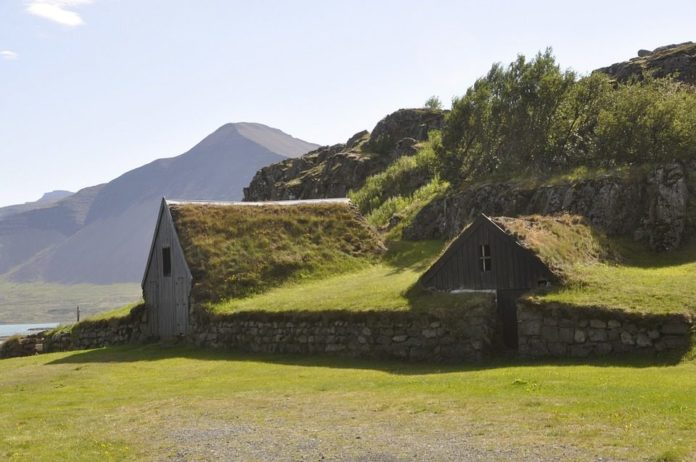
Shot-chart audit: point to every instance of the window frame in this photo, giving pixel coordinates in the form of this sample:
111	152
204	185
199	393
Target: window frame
485	259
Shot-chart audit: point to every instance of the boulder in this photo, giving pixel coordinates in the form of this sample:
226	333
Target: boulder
667	196
404	123
677	60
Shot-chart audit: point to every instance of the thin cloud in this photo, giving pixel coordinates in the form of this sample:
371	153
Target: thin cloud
9	55
59	11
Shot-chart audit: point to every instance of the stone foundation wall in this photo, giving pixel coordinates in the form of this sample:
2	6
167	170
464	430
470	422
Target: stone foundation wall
22	346
557	330
463	335
86	334
467	334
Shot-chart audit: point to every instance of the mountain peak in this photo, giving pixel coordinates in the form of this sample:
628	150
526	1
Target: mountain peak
273	139
54	196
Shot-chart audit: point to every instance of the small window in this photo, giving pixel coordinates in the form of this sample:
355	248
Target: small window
166	262
485	262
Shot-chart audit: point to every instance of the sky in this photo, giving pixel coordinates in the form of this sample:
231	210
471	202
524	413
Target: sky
90	89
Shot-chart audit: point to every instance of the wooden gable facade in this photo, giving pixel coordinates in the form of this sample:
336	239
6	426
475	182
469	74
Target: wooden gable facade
167	280
485	257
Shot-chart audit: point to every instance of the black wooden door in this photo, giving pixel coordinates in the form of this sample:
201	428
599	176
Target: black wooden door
507	313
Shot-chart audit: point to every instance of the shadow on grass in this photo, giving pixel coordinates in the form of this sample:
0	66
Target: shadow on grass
636	254
414	255
158	352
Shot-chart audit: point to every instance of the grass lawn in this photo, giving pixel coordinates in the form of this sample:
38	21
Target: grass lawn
182	403
388	285
642	281
120	312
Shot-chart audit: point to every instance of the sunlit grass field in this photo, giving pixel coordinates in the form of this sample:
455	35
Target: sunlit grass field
642	281
153	402
388	285
639	280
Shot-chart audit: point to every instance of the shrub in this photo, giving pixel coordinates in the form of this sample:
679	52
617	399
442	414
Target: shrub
404	176
407	205
433	103
531	116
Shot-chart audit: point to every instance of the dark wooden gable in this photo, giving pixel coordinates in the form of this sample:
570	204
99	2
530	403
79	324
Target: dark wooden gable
508	265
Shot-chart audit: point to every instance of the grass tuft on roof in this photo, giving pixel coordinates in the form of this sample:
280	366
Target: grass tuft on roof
562	242
236	251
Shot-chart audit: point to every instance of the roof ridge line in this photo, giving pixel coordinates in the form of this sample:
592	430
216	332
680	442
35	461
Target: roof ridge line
260	203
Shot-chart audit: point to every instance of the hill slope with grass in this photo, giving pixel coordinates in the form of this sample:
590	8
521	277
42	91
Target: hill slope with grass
332	171
532	139
389	284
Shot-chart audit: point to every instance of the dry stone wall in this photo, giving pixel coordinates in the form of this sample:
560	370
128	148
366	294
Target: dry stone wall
87	334
466	334
557	330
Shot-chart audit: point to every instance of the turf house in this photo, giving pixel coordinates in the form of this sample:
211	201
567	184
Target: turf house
508	256
205	252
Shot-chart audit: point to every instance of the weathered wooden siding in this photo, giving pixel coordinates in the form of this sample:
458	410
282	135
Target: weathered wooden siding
168	296
513	267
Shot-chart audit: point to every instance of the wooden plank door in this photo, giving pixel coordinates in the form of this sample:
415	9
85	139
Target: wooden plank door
507	314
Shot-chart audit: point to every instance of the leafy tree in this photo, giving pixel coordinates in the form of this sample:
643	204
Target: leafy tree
433	103
504	121
572	133
533	117
650	120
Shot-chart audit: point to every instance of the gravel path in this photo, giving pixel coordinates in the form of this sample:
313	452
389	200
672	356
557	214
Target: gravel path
276	441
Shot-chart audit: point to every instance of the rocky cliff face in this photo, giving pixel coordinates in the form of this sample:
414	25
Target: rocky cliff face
654	207
332	171
677	60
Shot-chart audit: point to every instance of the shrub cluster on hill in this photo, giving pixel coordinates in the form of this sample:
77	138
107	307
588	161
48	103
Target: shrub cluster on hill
402	188
534	120
532	115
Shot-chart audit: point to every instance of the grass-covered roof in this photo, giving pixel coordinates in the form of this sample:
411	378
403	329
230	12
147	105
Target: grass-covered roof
238	249
561	241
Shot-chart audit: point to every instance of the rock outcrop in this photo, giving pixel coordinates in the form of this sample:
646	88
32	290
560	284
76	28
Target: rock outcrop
676	60
652	207
332	171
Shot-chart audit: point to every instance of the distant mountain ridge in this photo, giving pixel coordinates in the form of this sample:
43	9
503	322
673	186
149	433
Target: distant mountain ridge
101	234
45	200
